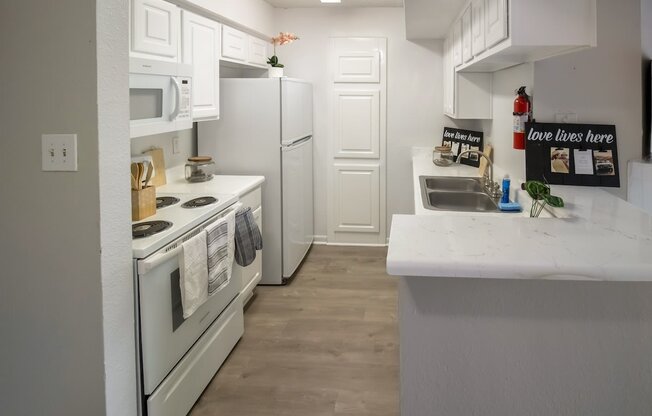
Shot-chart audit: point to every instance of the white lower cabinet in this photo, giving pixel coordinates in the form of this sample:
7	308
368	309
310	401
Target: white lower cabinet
201	49
250	276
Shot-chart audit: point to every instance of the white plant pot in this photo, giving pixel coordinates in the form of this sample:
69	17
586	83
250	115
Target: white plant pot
274	72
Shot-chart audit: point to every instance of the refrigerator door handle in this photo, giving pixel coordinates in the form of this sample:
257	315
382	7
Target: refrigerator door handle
297	143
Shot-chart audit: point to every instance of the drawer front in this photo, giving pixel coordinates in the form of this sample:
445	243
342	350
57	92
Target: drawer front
182	387
252	199
234	44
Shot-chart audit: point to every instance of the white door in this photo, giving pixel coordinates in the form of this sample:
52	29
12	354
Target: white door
201	49
477	27
257	51
495	21
155	30
356	194
467	53
297	192
234	44
296	110
357	124
356	198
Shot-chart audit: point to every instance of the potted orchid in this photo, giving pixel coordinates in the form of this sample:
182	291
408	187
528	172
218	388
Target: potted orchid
283	38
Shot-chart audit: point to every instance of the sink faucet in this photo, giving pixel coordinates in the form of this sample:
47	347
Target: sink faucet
493	189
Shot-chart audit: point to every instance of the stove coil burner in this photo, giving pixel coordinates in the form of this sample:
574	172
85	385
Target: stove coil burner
165	201
148	228
199	202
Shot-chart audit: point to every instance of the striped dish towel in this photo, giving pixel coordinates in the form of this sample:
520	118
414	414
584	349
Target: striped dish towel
221	249
247	237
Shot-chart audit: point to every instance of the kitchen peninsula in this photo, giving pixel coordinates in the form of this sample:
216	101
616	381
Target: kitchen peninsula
501	314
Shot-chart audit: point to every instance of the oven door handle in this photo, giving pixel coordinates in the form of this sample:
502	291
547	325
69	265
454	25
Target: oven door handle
146	265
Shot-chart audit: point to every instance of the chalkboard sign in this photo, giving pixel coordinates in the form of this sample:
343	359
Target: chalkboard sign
572	154
460	140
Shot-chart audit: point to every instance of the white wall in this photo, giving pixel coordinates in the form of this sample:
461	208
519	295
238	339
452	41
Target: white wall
499	131
602	84
415	103
253	15
51	289
187	146
115	207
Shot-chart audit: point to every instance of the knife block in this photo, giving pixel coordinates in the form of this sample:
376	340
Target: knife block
143	203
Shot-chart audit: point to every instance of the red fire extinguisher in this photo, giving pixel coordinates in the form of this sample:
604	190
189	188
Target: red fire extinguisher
522	114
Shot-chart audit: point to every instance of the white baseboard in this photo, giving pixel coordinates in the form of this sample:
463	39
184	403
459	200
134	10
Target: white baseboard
320	240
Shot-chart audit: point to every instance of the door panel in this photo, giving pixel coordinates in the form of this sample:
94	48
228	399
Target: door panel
297	204
467	53
477	27
357	197
495	21
234	43
358	67
357	124
257	51
155	29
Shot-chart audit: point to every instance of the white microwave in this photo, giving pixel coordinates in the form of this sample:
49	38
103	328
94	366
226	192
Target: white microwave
159	97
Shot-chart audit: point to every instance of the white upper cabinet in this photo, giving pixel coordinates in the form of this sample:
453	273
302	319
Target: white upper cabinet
490	35
478	44
496	18
155	30
457	43
242	48
467	53
257	51
201	49
234	44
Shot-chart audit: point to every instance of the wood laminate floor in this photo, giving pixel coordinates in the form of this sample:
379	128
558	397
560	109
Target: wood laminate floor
325	345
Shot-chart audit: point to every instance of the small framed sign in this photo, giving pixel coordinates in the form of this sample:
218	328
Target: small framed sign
460	140
572	154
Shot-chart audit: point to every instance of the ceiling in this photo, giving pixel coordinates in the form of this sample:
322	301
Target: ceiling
344	3
430	19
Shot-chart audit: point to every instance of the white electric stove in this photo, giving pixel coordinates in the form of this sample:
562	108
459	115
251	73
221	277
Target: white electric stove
177	356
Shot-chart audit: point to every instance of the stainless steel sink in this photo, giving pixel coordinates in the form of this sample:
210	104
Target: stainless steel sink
441	193
451	183
460	201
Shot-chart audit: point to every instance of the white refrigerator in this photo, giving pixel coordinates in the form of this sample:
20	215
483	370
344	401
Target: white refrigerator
265	128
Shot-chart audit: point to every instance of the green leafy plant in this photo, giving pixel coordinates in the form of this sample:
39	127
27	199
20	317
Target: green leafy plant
540	194
273	61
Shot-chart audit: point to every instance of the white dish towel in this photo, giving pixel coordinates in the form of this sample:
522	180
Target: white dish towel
193	272
221	250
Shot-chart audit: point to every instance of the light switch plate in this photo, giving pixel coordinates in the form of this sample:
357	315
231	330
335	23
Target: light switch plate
175	146
59	152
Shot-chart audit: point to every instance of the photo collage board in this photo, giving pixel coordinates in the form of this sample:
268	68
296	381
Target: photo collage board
572	154
460	140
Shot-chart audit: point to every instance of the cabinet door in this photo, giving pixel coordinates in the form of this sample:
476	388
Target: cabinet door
449	78
467	53
457	43
201	49
257	51
234	44
356	197
155	29
477	27
495	21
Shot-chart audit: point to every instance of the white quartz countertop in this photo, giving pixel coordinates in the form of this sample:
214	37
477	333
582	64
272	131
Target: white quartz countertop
600	237
221	184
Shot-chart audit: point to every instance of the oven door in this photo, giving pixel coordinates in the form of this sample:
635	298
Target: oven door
165	335
153	103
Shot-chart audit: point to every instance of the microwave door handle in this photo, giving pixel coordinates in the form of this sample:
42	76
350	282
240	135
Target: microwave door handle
150	263
177	99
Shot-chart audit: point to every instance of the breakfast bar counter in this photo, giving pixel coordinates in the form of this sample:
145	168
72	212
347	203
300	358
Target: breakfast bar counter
502	314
